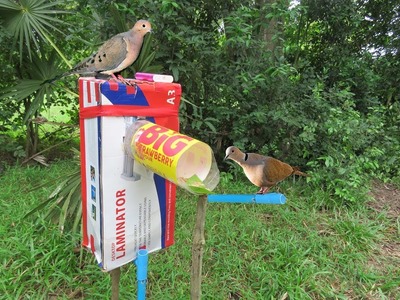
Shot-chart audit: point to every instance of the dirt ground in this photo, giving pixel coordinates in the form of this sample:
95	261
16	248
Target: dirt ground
386	198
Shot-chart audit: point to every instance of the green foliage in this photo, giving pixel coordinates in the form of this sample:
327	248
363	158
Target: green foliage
384	130
10	146
63	205
352	148
29	22
32	92
314	84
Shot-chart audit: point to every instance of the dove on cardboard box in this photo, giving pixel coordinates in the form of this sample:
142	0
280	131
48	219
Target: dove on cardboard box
122	214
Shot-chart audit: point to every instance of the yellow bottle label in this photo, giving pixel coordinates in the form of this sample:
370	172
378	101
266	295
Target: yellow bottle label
159	149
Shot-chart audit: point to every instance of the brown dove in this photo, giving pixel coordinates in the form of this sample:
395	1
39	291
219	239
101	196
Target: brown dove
114	55
262	171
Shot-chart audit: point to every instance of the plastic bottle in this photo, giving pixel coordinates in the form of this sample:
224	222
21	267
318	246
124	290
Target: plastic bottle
185	161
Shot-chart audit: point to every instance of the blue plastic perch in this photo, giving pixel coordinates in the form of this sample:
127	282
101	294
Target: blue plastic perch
141	263
270	198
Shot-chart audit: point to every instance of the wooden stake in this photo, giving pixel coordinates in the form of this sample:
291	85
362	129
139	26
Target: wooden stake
115	276
198	248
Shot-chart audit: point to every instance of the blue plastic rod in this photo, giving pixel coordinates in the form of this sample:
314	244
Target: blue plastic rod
270	198
141	263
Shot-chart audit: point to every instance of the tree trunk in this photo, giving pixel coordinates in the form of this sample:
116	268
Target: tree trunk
32	133
271	26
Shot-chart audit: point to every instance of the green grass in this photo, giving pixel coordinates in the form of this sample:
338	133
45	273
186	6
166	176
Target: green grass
304	249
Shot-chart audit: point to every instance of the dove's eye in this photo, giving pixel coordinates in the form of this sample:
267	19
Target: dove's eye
144	25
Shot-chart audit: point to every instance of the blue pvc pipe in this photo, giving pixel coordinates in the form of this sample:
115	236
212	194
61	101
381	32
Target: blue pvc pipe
141	263
270	198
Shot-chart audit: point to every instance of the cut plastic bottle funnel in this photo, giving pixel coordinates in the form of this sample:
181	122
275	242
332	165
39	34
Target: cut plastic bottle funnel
185	161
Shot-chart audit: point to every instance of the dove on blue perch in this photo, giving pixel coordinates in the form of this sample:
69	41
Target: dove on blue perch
270	198
262	171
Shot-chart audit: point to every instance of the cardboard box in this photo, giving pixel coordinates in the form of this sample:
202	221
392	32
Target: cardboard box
121	215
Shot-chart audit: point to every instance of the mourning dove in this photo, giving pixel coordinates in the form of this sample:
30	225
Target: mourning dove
114	55
262	171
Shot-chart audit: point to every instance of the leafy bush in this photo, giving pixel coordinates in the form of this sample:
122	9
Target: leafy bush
355	148
297	83
10	148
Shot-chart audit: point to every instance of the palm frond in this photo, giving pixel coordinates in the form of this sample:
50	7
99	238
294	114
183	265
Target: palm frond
119	19
22	90
39	69
27	20
63	205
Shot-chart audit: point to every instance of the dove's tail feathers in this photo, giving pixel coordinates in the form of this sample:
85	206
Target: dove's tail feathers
296	171
80	68
51	80
86	66
59	76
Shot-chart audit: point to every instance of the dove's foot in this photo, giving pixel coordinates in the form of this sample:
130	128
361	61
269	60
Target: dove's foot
263	190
